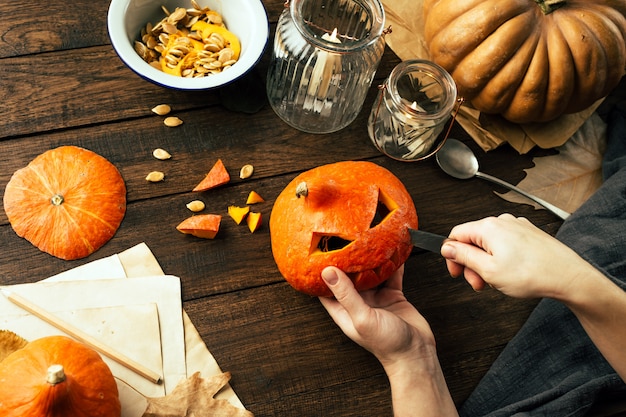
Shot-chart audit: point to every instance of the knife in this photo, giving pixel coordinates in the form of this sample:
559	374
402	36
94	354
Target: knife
427	240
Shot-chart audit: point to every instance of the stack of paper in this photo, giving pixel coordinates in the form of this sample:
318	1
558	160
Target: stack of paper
126	302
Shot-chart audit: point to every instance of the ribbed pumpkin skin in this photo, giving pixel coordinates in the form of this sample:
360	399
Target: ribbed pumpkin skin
342	202
92	208
508	57
89	390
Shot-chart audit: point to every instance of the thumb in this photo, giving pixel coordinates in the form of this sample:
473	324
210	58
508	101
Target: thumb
343	290
467	259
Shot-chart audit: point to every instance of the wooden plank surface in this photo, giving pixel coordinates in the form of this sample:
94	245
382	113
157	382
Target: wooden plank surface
62	83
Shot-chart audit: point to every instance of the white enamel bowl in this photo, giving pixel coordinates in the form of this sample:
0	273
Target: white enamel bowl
245	18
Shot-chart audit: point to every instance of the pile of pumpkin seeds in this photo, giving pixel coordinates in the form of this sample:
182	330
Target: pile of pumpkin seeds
216	56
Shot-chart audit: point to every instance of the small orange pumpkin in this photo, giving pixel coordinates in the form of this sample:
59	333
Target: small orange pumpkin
56	376
353	215
68	202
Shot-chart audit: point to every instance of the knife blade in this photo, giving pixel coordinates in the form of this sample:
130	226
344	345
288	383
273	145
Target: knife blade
426	240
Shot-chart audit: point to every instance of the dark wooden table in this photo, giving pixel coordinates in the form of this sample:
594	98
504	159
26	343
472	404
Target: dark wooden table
61	83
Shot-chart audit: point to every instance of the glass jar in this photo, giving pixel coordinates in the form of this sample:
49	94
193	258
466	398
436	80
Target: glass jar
324	58
411	110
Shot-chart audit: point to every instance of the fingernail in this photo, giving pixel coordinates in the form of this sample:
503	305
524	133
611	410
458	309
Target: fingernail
448	251
330	276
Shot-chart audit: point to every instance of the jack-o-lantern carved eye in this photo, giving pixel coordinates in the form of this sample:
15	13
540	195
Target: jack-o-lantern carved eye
323	242
384	208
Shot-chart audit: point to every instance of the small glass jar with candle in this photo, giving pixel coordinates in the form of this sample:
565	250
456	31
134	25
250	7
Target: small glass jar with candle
411	110
325	55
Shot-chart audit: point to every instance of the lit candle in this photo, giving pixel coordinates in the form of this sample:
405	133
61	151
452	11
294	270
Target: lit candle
417	107
325	67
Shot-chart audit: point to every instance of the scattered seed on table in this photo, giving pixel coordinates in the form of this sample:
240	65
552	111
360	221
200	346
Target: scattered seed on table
155	176
161	109
196	206
246	171
172	121
161	154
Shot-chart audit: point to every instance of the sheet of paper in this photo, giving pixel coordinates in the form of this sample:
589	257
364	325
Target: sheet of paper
164	291
114	326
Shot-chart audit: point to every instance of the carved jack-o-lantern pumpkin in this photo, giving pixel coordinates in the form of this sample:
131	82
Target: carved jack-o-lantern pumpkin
352	215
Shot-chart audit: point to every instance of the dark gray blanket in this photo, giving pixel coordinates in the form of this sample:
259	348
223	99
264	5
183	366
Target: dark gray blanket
551	367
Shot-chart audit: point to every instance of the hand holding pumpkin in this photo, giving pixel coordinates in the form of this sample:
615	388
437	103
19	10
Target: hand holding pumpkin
383	322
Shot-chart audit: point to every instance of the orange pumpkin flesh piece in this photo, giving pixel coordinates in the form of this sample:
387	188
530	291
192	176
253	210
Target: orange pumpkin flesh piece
238	213
254	221
205	226
254	198
355	216
218	175
89	388
68	202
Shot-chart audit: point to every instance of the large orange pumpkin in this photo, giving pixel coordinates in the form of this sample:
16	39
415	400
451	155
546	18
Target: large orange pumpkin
68	202
56	376
529	60
352	215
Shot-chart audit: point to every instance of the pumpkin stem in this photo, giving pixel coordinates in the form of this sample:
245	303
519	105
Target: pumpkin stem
548	6
57	199
56	374
302	190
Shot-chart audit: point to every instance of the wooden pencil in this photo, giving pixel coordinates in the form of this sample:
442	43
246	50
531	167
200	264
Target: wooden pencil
81	336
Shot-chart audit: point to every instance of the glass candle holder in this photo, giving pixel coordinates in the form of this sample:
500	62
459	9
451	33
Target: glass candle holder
411	110
325	55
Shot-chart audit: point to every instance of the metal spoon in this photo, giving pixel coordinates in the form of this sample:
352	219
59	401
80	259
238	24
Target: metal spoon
458	160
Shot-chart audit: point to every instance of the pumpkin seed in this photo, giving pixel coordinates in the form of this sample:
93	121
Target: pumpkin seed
196	206
161	154
155	42
178	15
162	109
172	121
155	176
246	171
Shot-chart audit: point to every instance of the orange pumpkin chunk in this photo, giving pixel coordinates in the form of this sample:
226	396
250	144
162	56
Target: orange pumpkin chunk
218	175
254	221
254	198
238	213
205	226
68	202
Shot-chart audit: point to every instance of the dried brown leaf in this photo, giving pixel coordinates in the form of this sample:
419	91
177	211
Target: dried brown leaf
568	179
194	397
9	343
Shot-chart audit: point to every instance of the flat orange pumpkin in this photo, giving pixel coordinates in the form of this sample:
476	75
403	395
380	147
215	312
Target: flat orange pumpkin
353	215
68	202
